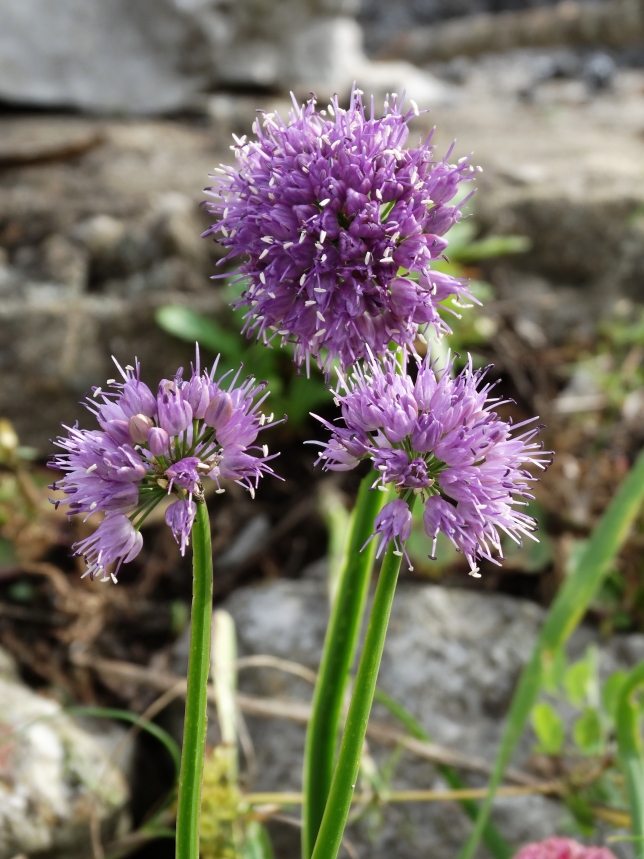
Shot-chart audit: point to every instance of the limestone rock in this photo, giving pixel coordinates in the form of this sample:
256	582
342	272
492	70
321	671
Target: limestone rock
53	777
452	658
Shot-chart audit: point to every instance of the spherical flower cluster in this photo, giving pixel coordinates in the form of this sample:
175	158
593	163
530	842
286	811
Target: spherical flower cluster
562	848
436	437
150	446
339	224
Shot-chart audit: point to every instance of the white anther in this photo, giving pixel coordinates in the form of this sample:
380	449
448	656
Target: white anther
320	332
262	277
219	491
97	392
330	109
461	160
323	258
367	258
265	449
319	246
310	303
93	505
271	295
397	553
114	579
320	316
305	169
263	253
480	169
318	289
111	381
302	237
379	193
414	106
386	259
129	367
322	236
323	203
268	239
302	279
91	468
287	245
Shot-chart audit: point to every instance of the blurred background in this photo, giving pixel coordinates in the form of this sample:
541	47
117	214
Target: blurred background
112	115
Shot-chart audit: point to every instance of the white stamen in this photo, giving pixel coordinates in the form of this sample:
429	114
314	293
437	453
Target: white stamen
111	381
97	392
322	236
461	160
265	449
310	303
302	279
268	239
93	505
318	289
287	245
219	491
129	367
414	106
262	277
320	332
302	237
379	193
263	253
91	468
323	203
323	258
319	316
367	257
480	170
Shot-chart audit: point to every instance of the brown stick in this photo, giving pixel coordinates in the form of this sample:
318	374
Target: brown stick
298	711
616	23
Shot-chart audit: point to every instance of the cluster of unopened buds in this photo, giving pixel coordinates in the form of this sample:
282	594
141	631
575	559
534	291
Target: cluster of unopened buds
152	445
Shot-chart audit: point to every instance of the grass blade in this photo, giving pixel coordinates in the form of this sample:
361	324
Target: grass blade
566	612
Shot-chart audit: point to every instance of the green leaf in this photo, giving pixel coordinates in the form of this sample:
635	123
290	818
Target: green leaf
577	682
612	691
567	610
554	670
188	325
549	728
257	844
493	246
587	732
631	750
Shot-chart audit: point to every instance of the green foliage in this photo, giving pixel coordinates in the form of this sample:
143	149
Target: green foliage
567	610
549	728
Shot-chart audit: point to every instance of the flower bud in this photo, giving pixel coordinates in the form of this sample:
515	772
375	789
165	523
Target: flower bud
158	441
140	426
219	410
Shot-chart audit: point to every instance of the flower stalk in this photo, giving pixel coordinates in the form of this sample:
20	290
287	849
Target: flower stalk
337	657
194	732
346	772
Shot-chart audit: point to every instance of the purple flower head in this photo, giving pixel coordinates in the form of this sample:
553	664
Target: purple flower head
437	437
563	848
338	224
149	447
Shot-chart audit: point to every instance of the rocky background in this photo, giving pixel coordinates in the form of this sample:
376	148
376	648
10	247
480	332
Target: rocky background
112	115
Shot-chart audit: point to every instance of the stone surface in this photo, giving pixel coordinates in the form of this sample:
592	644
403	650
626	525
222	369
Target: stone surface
452	658
54	776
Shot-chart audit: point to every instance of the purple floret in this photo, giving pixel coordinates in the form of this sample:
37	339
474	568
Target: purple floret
437	438
137	458
339	224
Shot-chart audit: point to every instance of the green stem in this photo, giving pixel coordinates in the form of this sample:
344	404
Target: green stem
337	657
346	772
194	731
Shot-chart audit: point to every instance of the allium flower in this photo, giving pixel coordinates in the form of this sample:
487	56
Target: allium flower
437	437
562	848
339	224
150	446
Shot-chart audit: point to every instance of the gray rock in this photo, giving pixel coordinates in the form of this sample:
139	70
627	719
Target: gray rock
452	658
103	55
54	776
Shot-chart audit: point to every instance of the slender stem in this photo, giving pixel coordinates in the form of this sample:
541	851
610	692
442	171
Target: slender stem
346	772
194	732
337	657
631	751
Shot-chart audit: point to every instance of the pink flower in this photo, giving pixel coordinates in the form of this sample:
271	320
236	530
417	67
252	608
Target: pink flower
562	848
